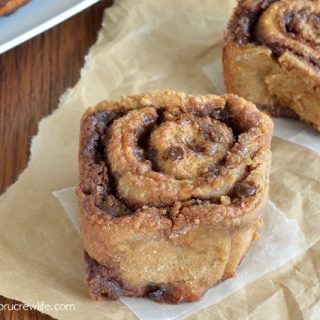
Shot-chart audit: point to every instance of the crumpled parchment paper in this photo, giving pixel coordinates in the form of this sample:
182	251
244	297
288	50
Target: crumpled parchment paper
146	45
292	130
281	240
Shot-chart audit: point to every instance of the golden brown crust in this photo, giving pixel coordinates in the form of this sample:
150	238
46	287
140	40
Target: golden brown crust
271	56
169	188
9	6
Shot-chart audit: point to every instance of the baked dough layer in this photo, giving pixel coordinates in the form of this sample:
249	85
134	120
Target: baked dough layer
170	185
271	56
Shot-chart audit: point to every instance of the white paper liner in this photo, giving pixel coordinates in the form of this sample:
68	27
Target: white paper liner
281	240
289	129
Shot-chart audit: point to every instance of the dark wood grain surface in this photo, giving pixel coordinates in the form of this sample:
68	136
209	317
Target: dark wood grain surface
32	78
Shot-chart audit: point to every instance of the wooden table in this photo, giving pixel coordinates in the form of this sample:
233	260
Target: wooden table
32	78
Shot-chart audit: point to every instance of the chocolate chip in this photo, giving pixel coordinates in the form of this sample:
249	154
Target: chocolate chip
197	148
277	51
243	189
174	153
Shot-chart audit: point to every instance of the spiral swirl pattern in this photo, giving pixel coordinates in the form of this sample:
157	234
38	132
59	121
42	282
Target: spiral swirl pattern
282	39
291	25
154	166
167	148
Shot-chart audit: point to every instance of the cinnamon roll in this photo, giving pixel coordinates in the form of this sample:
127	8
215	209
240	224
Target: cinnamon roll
170	185
271	56
9	6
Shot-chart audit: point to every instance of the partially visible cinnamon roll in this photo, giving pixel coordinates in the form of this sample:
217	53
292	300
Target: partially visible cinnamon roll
9	6
170	185
272	57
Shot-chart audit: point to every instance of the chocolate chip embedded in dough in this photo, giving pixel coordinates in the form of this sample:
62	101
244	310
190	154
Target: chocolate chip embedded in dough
243	189
277	51
174	153
197	148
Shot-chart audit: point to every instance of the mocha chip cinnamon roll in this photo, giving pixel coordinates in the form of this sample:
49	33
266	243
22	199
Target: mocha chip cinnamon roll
9	6
170	187
271	56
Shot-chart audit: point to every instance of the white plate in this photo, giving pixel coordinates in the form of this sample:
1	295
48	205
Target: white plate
36	17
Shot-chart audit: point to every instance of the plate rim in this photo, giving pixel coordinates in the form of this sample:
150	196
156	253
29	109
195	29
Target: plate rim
55	20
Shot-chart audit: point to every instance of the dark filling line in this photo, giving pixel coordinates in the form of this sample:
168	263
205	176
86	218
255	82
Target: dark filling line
108	200
241	27
242	30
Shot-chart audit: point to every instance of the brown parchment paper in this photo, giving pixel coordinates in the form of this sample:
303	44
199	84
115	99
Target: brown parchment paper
145	45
